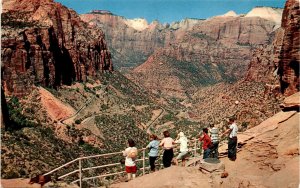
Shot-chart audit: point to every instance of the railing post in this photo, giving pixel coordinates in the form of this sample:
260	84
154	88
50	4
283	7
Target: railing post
144	162
80	173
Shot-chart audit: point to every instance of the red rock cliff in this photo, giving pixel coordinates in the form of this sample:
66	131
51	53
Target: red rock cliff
45	43
290	53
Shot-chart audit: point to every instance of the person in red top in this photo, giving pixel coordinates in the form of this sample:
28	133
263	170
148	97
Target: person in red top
206	143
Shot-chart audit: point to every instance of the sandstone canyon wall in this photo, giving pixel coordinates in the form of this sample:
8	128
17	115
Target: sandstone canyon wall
288	66
132	45
262	67
134	40
216	50
45	43
277	64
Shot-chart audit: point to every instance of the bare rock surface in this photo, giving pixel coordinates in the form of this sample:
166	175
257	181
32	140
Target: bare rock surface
271	154
172	177
292	101
212	167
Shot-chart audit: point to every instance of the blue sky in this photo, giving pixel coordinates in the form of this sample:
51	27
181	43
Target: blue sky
169	10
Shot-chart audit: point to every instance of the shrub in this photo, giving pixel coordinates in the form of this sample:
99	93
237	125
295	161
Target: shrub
11	174
77	121
18	120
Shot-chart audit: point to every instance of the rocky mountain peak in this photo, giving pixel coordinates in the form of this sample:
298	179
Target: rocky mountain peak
268	13
101	12
156	25
137	23
185	24
230	13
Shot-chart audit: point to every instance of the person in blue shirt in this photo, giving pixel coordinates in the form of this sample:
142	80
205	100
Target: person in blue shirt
153	153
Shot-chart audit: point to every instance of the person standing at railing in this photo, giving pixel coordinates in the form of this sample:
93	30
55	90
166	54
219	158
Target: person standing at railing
153	153
214	135
232	140
206	143
130	155
167	143
183	141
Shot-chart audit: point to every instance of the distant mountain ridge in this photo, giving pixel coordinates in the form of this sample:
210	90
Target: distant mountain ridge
215	50
132	41
269	13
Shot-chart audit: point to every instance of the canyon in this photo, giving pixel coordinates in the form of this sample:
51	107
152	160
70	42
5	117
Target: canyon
76	85
133	41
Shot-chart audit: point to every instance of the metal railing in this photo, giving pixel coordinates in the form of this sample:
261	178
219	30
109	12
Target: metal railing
192	144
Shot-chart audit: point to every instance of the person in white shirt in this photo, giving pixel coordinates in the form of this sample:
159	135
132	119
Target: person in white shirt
232	139
183	141
167	144
130	166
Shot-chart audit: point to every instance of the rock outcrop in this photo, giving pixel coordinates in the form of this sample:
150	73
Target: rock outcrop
44	43
291	103
288	66
277	64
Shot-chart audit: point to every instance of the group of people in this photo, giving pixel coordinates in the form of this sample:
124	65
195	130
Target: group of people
209	137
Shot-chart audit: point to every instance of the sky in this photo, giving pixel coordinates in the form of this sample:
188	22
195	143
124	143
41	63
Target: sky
169	10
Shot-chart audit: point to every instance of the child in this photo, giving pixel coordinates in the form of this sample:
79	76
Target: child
130	153
153	153
183	141
206	143
167	144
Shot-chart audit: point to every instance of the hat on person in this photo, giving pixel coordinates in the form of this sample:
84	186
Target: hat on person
181	134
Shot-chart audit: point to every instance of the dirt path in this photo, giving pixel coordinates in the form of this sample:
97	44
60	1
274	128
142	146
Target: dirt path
156	116
70	119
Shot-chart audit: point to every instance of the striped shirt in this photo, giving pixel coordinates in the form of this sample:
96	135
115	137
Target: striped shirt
214	134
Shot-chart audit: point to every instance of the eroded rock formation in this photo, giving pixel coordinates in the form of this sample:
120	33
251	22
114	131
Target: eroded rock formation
45	43
290	52
203	57
132	45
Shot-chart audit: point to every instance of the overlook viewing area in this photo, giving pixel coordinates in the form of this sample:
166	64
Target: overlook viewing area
84	170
